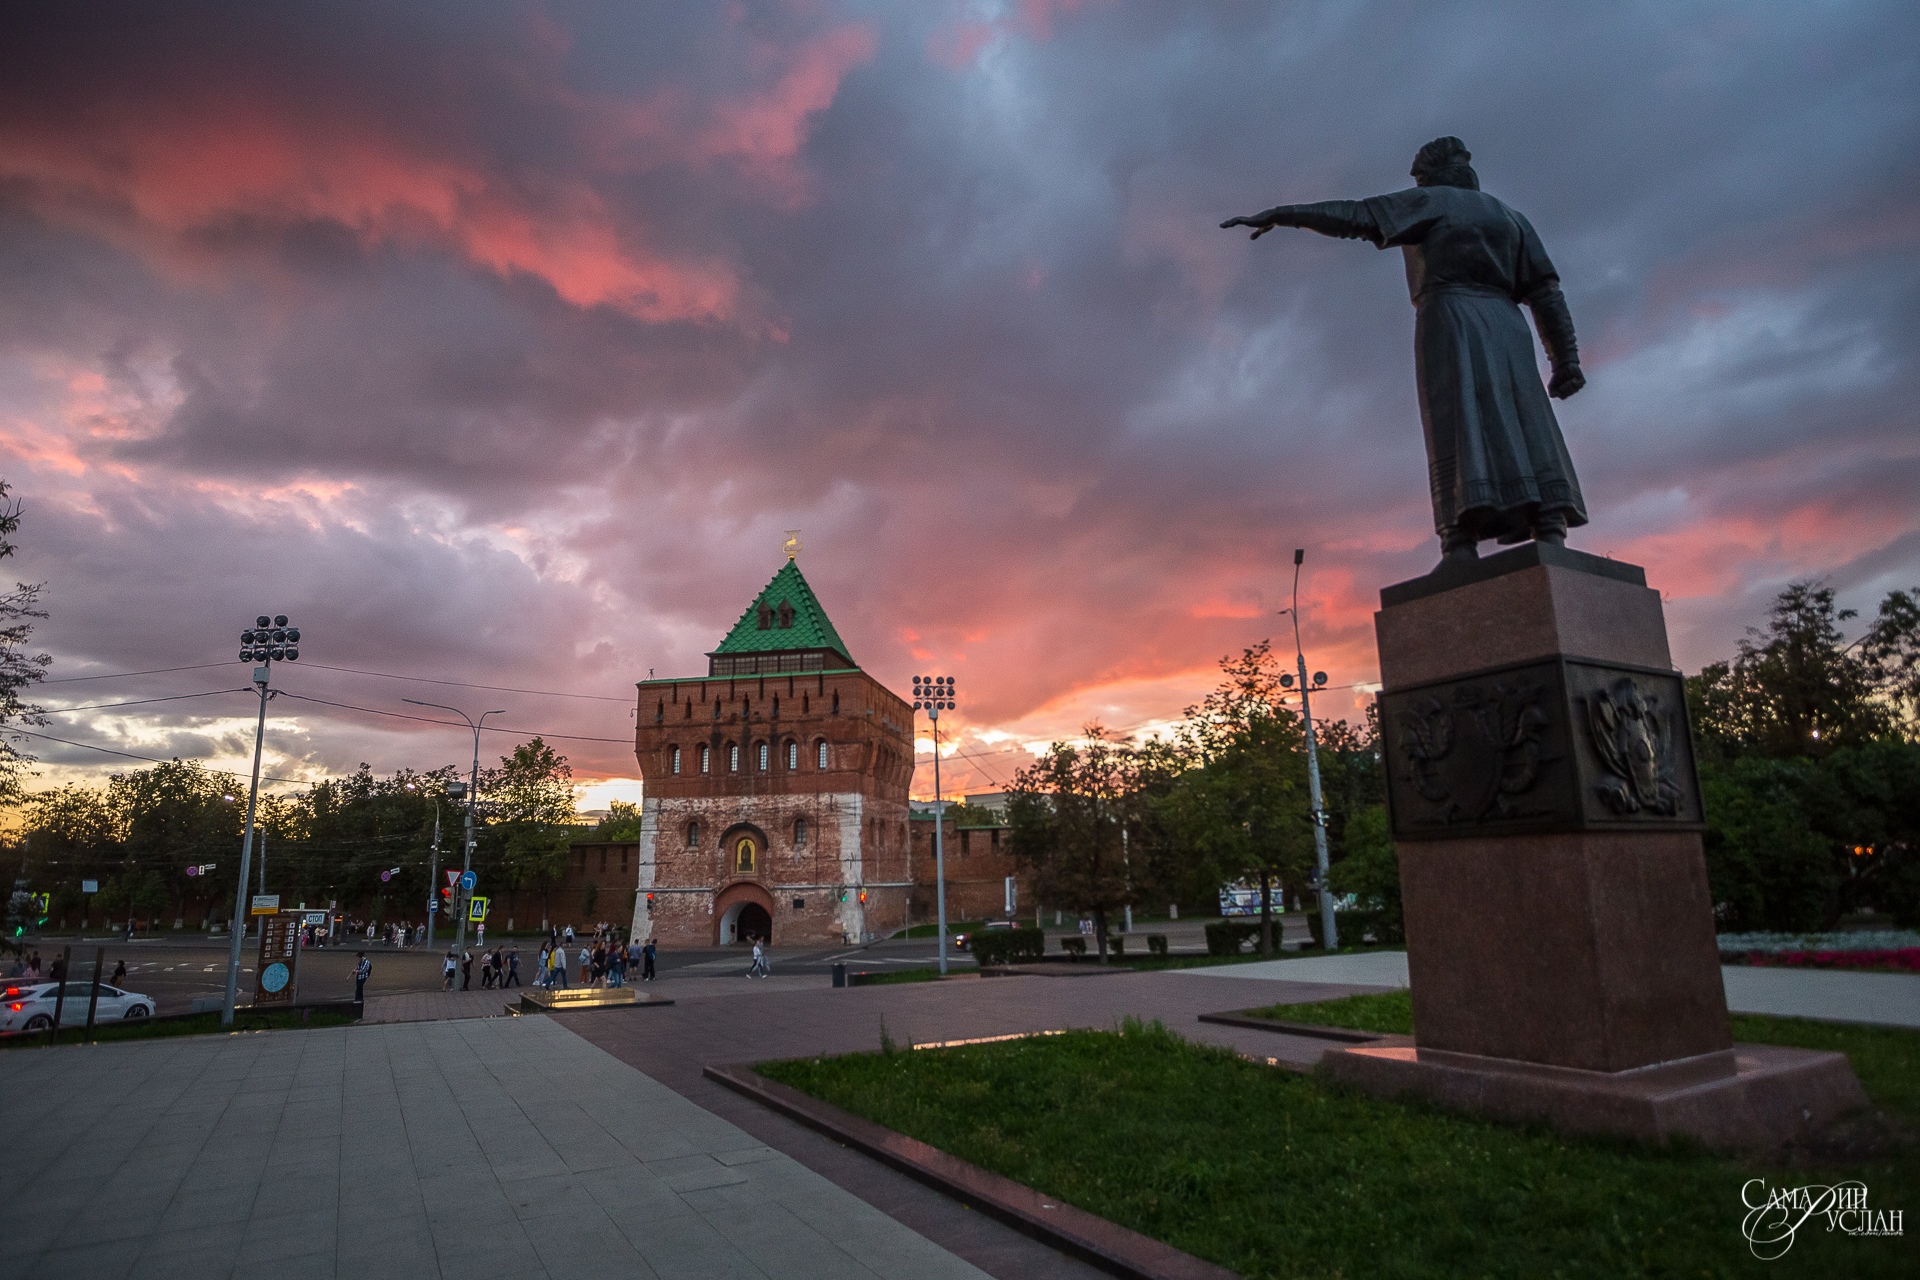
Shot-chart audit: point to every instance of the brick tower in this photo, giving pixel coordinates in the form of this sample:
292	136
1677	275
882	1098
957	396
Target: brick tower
776	787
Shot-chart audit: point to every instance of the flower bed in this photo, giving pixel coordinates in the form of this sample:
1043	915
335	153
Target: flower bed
1901	960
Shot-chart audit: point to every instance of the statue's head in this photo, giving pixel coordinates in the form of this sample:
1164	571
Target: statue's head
1443	163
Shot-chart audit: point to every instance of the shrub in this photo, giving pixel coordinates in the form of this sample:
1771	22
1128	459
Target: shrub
1117	947
1225	937
1384	927
1157	944
1008	946
1074	946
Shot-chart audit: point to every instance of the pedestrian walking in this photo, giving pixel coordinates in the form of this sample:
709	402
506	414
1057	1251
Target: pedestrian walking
513	968
119	973
447	971
362	970
558	970
466	969
758	969
646	961
586	968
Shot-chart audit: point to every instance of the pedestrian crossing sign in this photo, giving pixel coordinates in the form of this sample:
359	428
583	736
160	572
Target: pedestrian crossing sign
477	910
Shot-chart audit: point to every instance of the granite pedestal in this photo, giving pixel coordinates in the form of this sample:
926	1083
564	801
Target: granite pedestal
1546	810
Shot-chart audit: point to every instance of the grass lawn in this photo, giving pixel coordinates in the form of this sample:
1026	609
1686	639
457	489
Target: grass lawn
933	930
887	978
199	1024
1272	1173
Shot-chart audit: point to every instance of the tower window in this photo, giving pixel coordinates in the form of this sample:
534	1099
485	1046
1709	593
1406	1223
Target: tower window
761	752
766	617
693	835
716	708
673	760
660	712
786	615
793	755
706	759
689	714
806	704
733	757
799	833
823	754
836	702
776	706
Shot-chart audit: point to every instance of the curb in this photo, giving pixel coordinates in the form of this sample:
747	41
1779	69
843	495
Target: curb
1344	1035
1074	1232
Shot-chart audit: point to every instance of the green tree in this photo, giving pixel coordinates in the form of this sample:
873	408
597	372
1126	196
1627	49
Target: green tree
19	669
530	802
1800	688
72	835
621	825
1370	871
1072	815
1241	807
173	816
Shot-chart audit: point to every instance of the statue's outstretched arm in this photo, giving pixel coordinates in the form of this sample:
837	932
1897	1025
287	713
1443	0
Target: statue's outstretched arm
1555	323
1347	219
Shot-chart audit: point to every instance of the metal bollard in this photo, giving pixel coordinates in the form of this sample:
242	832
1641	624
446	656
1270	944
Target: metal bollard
840	974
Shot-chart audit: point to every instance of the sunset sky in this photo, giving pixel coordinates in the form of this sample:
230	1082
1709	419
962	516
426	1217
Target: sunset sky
501	344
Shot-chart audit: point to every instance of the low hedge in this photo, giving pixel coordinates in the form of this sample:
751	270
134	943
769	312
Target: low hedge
1383	928
1226	937
1007	946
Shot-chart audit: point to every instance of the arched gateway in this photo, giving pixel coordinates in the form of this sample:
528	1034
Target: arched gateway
741	913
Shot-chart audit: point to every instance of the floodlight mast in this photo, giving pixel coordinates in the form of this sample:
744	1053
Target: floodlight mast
473	795
930	694
269	639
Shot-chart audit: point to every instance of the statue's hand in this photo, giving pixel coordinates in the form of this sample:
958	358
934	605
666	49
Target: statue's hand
1262	223
1565	382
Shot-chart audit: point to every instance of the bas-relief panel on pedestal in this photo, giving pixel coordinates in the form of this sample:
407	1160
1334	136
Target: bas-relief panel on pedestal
1558	745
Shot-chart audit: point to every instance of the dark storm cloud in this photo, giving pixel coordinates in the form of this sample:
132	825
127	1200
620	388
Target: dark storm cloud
519	334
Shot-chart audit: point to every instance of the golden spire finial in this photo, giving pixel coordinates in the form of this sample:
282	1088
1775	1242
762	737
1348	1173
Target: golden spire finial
792	544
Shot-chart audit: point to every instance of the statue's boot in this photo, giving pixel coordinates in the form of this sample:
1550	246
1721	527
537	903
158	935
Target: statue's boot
1458	544
1551	527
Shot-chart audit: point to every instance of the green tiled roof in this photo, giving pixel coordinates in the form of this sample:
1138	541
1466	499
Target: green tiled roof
810	630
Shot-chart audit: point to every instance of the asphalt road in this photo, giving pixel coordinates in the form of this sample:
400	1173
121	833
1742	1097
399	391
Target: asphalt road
174	970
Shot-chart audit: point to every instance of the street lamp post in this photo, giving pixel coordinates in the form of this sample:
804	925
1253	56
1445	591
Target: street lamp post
268	640
1328	931
473	795
931	694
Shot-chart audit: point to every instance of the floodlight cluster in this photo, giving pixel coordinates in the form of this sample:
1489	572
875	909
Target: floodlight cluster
933	693
270	640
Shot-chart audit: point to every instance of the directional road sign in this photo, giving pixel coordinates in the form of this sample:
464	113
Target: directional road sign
468	880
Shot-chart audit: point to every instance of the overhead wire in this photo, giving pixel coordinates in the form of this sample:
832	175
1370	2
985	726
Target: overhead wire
137	702
403	715
88	746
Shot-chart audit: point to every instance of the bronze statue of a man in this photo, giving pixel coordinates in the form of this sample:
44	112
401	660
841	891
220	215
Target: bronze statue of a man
1496	460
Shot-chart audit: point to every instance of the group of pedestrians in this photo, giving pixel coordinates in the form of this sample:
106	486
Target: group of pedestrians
604	961
499	969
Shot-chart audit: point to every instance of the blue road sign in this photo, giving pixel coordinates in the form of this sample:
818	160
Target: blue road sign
468	880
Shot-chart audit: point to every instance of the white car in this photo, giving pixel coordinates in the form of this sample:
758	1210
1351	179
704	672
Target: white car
28	1007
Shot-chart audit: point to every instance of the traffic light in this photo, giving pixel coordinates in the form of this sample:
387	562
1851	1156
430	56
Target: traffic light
649	904
863	896
42	908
